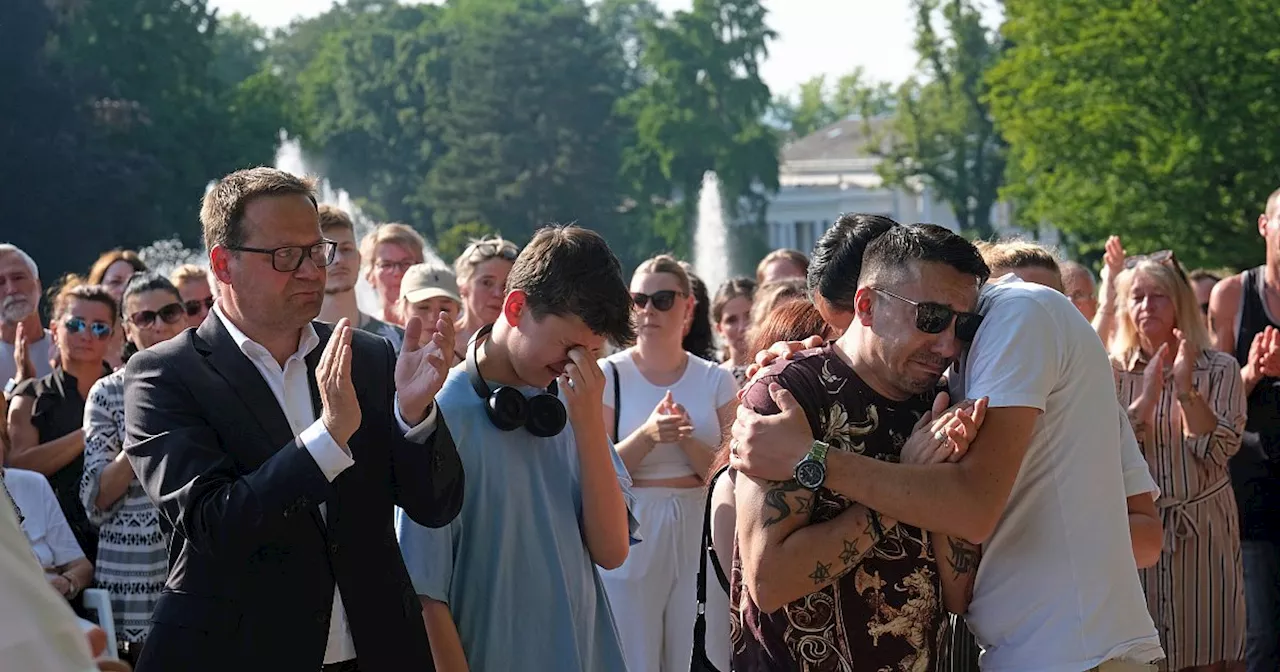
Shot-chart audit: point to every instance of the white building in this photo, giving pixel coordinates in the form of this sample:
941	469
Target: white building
831	172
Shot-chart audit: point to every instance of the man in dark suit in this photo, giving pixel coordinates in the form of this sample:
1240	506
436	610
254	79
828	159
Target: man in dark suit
276	447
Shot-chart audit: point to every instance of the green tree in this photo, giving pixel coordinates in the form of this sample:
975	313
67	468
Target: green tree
942	134
239	49
625	21
1152	120
529	119
818	105
703	111
453	240
371	96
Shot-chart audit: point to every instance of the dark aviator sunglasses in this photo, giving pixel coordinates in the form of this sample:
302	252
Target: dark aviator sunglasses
170	313
662	301
934	318
100	330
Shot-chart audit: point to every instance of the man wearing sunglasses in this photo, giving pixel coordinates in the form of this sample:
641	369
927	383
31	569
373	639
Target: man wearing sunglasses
1042	489
276	449
808	550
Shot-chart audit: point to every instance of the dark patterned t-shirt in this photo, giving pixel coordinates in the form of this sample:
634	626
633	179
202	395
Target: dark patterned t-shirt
886	614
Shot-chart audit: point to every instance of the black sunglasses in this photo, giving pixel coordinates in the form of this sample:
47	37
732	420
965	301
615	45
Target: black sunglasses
100	330
288	258
193	306
170	313
934	318
662	301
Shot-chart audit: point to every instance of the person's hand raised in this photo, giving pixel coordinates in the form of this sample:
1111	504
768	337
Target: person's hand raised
421	369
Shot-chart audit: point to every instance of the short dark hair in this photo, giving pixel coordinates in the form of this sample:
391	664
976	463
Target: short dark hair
74	290
333	217
569	270
890	252
147	282
837	257
222	211
700	340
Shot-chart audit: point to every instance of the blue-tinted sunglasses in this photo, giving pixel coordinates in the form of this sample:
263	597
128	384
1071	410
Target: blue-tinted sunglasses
100	330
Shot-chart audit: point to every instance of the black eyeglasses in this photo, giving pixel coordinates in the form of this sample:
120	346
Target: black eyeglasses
193	306
478	252
662	301
288	258
100	330
401	266
934	318
170	313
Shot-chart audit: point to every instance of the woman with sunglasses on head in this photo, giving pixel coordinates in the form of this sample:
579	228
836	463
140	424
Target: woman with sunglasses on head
482	271
46	415
132	556
667	411
1187	406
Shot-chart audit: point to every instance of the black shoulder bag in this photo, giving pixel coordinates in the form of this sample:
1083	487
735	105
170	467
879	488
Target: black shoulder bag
700	662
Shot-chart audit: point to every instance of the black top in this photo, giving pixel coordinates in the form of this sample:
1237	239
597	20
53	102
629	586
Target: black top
1255	470
57	411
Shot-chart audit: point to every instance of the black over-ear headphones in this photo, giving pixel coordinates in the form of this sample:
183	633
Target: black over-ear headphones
508	409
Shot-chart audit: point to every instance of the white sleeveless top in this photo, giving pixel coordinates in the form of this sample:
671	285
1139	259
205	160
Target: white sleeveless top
702	389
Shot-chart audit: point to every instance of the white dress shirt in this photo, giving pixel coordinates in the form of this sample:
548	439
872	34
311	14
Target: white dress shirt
38	630
293	392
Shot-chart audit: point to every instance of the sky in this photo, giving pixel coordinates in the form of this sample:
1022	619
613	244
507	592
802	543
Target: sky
814	36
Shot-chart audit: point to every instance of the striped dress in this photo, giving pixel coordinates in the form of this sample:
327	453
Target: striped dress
1196	591
133	560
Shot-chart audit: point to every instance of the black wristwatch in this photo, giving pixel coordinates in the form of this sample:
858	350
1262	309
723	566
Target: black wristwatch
811	472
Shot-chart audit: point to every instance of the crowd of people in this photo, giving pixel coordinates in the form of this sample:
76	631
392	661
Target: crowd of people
904	452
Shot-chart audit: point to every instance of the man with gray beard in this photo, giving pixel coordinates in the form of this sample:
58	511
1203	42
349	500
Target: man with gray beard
25	345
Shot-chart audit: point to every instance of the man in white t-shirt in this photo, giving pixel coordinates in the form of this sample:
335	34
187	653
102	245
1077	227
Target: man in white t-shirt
19	300
38	630
1042	488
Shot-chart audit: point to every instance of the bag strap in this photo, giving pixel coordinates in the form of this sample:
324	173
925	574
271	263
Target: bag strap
617	400
700	621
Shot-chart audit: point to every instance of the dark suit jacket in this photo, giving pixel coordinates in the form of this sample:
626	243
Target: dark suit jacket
252	561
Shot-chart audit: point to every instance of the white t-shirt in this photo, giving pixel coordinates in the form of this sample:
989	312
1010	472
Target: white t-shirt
42	519
703	389
38	630
38	352
1057	589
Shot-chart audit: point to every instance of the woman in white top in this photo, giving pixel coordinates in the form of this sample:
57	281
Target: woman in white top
56	549
674	410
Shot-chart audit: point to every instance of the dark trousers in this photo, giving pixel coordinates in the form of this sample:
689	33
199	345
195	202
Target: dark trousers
344	666
1262	604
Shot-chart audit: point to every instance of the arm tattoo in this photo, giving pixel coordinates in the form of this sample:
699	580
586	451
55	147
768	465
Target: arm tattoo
963	558
821	574
776	499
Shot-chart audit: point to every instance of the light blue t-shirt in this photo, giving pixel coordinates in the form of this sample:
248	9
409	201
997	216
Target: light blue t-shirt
513	566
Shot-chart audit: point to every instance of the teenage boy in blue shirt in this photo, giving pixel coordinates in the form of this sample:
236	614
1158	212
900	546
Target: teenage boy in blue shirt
512	583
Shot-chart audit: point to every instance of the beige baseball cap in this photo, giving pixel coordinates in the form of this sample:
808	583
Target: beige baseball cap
428	281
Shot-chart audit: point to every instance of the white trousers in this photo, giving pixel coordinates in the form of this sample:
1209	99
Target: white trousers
653	594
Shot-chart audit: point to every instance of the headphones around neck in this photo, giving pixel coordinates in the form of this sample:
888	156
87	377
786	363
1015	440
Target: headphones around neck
508	409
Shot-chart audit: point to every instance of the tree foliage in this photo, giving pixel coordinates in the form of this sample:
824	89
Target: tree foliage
941	133
818	104
1152	120
702	111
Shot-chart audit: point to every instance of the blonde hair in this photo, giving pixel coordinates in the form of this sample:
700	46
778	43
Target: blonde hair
772	296
188	273
794	257
398	234
1010	255
472	256
665	263
1186	312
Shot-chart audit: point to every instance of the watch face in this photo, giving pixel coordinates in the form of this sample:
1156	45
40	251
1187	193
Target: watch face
810	474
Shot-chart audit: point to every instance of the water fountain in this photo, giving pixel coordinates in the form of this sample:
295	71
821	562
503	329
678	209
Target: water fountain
711	238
